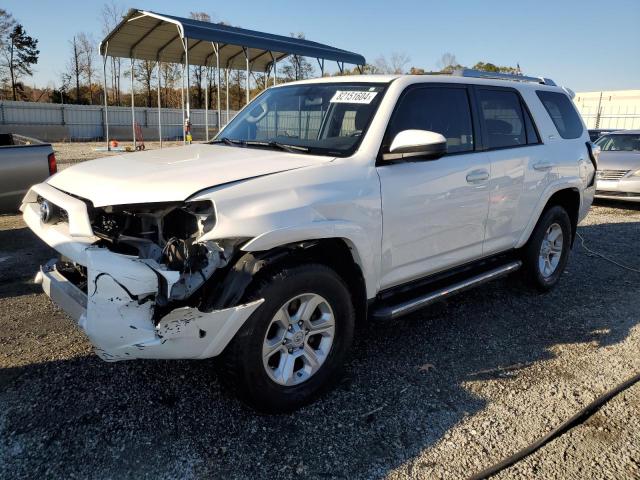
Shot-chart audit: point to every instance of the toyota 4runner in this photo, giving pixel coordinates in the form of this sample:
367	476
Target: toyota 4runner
321	203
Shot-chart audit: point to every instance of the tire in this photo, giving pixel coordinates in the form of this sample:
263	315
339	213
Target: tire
537	273
274	383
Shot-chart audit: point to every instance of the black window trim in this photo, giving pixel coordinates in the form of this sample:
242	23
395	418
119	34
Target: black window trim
477	141
525	111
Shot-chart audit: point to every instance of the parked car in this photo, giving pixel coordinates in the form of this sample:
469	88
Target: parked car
598	132
23	162
321	203
618	175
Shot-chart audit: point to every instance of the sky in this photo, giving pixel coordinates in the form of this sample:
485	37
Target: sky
586	45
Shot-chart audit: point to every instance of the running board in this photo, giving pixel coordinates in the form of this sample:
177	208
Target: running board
388	312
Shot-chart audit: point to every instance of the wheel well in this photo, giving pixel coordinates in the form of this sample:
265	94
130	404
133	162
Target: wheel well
227	289
569	199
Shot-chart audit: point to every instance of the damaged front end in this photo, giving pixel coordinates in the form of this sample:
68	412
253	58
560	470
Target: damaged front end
135	284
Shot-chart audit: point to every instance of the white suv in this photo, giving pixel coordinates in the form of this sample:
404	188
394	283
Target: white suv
322	202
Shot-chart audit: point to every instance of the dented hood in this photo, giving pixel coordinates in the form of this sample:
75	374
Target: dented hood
172	174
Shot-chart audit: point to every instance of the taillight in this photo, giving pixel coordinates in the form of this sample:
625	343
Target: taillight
53	167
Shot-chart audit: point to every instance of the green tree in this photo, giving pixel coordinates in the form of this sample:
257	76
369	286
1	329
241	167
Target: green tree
490	67
20	53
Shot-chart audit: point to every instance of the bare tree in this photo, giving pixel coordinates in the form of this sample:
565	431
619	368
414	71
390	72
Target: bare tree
112	14
145	74
447	63
396	64
74	67
170	73
198	70
87	56
297	67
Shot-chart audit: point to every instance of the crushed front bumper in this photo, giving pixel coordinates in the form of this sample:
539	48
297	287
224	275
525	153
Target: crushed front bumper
116	307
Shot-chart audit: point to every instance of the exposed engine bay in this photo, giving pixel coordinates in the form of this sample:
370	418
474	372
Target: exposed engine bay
168	234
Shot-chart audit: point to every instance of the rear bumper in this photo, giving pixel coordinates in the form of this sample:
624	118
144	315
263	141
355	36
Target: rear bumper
116	307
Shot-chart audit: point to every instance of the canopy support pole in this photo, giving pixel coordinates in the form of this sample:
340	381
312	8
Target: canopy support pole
159	107
321	65
133	110
226	83
184	133
106	96
186	62
275	67
217	50
206	103
341	66
246	56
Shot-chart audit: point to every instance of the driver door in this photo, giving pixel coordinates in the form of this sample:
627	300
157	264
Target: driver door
434	211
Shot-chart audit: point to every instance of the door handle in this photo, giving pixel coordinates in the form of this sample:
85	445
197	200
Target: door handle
477	176
543	166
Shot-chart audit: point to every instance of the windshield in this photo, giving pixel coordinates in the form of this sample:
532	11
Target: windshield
322	118
618	142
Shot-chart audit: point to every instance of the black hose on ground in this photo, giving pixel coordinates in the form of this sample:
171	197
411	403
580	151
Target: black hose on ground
577	419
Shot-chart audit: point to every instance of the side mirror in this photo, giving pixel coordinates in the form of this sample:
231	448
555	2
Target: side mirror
418	144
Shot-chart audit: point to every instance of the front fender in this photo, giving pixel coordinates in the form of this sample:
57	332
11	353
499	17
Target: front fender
356	238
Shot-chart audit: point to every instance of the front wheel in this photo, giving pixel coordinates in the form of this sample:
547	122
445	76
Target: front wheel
293	346
546	253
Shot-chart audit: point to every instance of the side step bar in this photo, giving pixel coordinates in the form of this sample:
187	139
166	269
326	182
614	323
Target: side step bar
389	312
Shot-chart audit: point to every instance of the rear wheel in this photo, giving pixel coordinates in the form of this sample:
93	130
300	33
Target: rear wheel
293	346
546	253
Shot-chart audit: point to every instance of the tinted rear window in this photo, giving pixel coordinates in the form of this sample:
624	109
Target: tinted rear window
562	112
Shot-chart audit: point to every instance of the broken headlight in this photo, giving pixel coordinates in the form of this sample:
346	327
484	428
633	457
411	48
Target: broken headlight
164	232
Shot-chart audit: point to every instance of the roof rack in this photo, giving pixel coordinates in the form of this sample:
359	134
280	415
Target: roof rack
467	72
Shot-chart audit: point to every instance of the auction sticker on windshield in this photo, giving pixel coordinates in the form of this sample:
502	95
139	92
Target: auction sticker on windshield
352	96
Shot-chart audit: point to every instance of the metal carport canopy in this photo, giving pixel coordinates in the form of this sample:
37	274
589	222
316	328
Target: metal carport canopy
147	35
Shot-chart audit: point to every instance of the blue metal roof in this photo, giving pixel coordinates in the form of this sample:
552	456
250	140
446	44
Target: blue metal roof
149	35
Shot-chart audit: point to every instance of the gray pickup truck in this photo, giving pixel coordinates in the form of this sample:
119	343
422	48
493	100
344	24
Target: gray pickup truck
24	162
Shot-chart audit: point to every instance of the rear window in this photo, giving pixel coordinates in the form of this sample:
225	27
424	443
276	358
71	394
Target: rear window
562	112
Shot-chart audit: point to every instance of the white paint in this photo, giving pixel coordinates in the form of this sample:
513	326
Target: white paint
434	217
415	138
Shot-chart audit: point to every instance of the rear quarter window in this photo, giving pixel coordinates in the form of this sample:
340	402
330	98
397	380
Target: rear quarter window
562	113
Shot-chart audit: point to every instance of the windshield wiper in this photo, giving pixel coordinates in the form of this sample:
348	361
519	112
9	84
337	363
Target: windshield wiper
278	145
228	141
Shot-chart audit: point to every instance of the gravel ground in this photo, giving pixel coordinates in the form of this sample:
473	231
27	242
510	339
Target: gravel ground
443	393
68	153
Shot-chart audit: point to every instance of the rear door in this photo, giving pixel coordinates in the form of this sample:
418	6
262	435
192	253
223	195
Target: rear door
518	164
434	211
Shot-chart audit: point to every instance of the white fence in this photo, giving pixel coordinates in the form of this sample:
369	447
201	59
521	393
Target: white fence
87	122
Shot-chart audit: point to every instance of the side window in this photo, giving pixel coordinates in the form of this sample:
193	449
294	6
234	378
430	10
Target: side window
437	109
503	118
562	112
